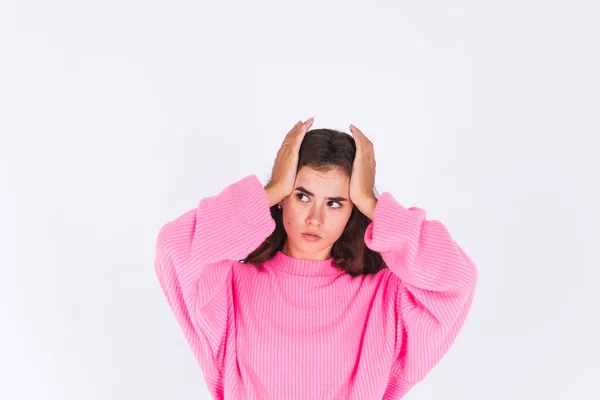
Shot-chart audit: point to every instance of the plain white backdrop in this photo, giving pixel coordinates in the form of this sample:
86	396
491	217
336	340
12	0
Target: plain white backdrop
118	116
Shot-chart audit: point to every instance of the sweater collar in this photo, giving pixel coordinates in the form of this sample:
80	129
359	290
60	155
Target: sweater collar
304	267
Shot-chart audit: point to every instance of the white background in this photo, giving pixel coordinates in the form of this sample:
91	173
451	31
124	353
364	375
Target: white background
118	116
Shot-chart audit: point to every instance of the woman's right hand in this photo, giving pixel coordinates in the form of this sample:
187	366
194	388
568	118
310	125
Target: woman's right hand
285	166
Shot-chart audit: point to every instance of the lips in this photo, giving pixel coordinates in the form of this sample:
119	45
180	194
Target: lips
311	234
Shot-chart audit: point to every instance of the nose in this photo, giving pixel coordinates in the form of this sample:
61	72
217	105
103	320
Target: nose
314	217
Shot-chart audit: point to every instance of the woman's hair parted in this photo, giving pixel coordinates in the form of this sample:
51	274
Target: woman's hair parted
323	150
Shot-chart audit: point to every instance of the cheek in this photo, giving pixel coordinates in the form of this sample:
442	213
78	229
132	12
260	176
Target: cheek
338	224
290	217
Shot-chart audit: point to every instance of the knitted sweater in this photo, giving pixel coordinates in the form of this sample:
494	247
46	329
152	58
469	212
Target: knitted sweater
294	328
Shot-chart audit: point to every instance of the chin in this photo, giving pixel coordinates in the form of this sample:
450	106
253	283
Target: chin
310	247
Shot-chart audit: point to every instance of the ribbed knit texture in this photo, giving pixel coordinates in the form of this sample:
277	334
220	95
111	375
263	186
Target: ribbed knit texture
303	329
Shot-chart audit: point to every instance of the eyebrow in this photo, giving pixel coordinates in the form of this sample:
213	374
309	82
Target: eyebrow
305	191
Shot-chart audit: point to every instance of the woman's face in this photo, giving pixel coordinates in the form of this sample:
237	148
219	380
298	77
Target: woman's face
320	204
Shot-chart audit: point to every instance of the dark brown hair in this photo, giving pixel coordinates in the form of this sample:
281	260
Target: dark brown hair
323	150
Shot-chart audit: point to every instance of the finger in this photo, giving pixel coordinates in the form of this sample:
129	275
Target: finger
354	129
303	128
357	135
308	123
292	132
295	127
357	132
360	137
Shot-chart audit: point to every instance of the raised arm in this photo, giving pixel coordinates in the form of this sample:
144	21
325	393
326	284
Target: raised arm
436	284
195	252
194	256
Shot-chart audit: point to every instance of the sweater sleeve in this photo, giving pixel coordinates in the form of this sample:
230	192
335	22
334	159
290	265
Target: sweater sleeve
194	258
435	289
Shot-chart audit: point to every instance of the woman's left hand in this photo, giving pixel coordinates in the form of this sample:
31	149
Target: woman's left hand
362	180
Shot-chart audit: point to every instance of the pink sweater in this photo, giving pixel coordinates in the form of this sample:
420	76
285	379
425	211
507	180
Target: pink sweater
303	329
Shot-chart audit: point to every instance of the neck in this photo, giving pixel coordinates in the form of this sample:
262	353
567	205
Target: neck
303	267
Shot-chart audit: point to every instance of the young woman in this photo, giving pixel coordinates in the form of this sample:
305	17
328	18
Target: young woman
312	286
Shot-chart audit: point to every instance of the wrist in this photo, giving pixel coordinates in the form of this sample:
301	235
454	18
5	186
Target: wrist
273	195
367	207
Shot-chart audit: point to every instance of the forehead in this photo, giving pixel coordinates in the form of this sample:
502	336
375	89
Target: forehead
311	178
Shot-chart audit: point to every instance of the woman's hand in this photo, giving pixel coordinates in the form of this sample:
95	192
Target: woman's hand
285	166
362	180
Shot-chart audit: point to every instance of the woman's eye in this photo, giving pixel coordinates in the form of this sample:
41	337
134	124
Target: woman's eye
299	195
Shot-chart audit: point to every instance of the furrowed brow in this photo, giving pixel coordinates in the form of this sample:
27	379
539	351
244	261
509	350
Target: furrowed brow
308	193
